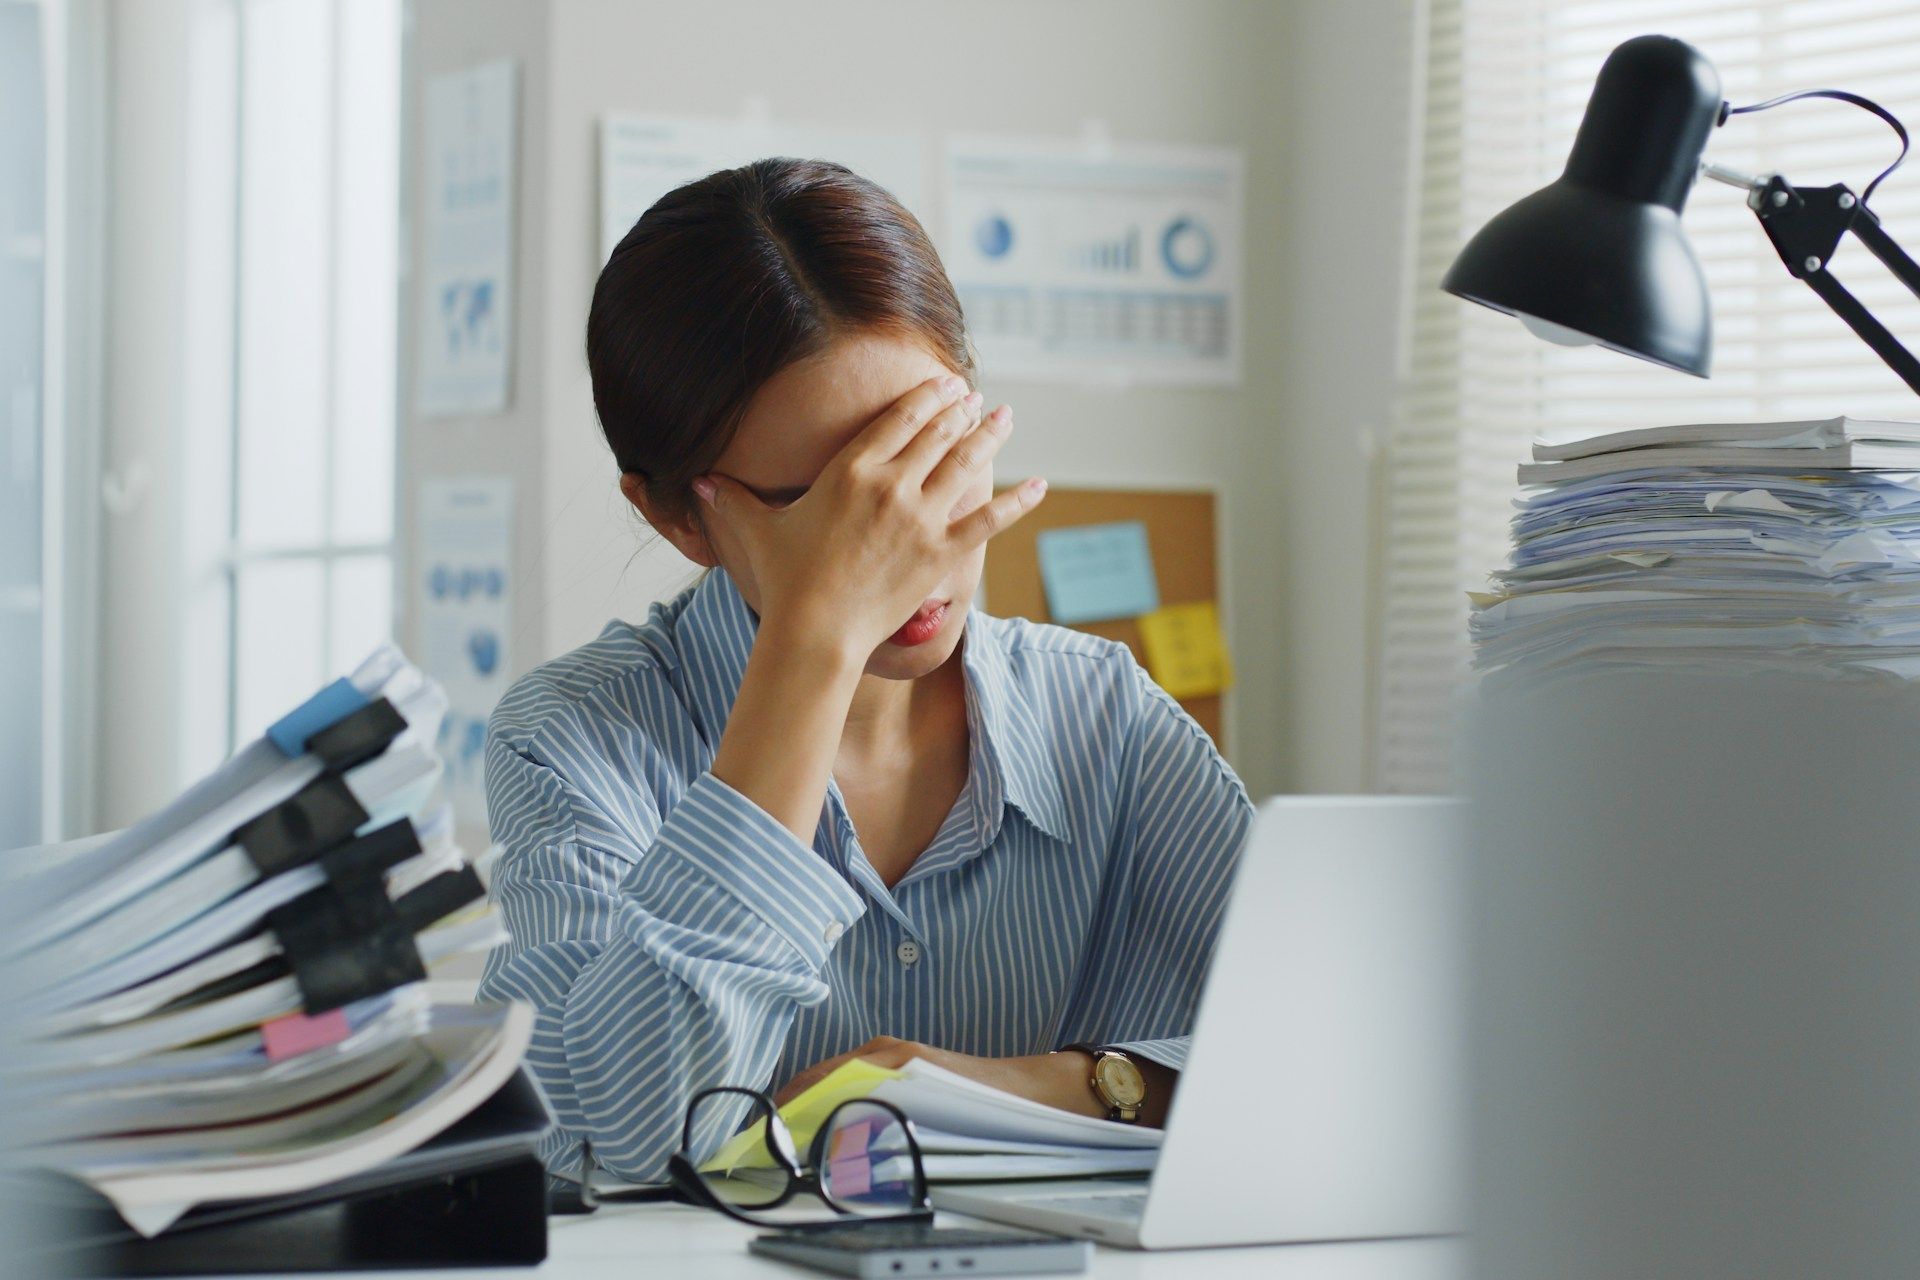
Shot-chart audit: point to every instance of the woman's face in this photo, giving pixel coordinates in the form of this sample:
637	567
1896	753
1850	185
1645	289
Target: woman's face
793	427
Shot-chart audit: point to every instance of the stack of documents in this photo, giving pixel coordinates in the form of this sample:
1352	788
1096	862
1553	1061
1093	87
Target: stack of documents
968	1131
229	999
1728	545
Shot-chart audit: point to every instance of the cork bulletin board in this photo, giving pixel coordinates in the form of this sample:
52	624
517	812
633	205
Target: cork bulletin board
1181	538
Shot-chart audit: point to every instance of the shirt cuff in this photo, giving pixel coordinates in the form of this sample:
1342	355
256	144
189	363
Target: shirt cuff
733	843
1170	1053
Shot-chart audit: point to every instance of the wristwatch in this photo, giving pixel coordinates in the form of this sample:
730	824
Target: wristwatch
1116	1082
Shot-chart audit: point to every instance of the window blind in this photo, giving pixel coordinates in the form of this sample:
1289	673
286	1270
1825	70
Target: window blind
1503	86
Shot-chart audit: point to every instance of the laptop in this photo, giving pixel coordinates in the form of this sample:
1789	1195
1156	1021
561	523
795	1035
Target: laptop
1323	1092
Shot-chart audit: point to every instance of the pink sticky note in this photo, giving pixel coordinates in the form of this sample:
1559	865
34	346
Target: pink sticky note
849	1164
299	1033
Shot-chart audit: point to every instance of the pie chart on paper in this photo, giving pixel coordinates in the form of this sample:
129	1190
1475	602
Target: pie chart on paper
1187	248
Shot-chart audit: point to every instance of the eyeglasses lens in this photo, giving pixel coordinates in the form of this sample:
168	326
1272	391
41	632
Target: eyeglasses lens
751	1177
866	1164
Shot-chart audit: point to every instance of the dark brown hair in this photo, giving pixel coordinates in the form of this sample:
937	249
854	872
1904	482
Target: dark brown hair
728	280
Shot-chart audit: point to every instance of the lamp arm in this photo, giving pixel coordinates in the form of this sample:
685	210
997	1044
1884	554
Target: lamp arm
1806	225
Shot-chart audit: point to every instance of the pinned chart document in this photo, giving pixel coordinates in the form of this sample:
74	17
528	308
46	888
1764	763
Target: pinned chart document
464	600
642	157
466	282
1186	654
1081	261
1097	572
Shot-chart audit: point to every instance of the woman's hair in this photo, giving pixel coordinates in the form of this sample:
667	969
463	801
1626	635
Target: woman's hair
728	280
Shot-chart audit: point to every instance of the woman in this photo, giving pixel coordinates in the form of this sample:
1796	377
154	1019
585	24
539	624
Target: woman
817	806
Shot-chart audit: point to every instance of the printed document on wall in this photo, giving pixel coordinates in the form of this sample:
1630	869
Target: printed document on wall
642	157
466	287
1085	263
465	603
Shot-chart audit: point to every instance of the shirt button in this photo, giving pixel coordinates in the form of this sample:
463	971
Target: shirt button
908	951
833	932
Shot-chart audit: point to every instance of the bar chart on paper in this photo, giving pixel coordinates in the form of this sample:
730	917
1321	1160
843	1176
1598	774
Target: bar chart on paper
1072	265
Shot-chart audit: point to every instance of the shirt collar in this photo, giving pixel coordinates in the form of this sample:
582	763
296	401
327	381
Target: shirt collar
715	638
1016	748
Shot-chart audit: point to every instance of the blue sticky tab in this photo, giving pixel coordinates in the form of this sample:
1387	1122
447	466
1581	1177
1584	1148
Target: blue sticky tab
1095	572
323	710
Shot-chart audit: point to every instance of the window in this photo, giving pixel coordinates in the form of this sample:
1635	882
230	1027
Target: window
51	95
302	586
24	129
1505	84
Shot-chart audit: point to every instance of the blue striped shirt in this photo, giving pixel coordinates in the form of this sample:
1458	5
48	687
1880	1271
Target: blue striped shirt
672	935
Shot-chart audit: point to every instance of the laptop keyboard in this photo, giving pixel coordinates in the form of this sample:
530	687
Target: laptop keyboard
1103	1204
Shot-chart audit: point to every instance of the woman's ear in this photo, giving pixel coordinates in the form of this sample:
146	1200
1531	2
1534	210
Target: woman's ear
683	531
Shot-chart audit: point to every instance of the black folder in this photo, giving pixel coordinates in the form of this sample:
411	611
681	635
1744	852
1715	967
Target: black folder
474	1196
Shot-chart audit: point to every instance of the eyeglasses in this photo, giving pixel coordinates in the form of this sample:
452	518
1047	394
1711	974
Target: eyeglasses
865	1162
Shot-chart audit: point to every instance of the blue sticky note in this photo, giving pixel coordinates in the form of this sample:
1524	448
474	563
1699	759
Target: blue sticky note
1094	572
326	708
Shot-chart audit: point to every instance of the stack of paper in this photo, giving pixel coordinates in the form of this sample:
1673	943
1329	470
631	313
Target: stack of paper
229	999
967	1131
1728	545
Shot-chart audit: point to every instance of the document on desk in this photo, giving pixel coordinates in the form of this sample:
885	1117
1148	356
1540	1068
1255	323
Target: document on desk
1735	546
967	1130
465	1054
232	999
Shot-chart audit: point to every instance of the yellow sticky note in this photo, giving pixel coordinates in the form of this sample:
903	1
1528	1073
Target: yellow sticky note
1186	654
855	1078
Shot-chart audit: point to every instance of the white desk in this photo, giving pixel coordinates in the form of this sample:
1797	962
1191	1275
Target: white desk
642	1242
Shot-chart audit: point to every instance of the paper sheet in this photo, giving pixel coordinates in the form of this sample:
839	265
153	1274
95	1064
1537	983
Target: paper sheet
465	605
976	1121
642	157
466	287
1086	261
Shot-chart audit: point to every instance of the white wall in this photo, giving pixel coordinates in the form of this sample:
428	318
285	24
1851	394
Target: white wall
1341	210
1314	92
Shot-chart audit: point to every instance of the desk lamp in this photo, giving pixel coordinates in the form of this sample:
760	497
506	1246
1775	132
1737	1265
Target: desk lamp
1599	257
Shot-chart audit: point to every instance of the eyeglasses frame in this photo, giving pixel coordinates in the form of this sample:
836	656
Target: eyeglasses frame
801	1178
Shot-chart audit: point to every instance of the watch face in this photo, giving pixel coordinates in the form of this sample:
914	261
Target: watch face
1120	1080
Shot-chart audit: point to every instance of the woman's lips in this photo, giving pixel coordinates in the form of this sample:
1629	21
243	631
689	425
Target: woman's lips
922	627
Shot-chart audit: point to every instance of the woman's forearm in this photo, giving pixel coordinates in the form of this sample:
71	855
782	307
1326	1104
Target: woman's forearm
780	741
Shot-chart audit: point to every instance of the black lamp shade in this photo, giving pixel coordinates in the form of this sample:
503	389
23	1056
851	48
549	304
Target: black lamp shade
1599	255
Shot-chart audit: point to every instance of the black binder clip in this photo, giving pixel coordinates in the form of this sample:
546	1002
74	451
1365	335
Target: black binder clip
347	940
293	833
441	896
358	737
373	854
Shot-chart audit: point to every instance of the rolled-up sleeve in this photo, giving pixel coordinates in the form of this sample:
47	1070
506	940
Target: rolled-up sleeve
664	951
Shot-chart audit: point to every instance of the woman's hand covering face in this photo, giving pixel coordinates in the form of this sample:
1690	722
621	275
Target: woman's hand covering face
857	552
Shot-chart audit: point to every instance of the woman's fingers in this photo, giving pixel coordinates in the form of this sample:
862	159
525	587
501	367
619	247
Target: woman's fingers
933	441
884	437
1002	513
968	457
729	499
